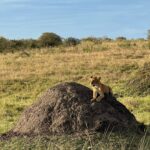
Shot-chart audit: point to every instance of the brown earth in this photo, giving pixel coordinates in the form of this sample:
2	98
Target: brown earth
66	108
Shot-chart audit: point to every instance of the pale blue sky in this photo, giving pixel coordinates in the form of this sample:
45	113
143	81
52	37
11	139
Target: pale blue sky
76	18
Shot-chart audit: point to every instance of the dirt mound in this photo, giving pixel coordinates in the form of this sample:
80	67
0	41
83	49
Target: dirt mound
139	84
66	108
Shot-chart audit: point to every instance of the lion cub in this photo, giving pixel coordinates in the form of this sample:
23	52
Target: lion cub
99	89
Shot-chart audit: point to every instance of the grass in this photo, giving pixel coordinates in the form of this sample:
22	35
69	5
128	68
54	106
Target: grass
139	84
85	141
25	77
139	106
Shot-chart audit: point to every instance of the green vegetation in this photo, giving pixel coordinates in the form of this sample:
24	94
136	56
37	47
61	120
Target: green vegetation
4	44
106	141
139	84
124	44
27	73
45	40
121	38
71	41
49	40
148	35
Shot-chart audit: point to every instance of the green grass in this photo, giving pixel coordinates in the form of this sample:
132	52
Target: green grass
139	106
111	141
23	79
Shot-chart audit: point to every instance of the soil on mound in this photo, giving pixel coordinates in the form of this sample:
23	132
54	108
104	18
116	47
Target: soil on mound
139	84
66	108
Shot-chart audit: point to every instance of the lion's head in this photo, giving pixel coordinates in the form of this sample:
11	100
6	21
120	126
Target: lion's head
95	81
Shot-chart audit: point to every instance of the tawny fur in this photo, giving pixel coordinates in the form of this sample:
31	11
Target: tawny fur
99	89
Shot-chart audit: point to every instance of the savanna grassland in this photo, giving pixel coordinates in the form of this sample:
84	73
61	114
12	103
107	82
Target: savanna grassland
26	74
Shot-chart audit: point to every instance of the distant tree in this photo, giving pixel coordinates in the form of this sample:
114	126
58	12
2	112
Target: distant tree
49	40
4	44
148	35
105	38
121	38
71	41
17	44
30	43
33	43
93	39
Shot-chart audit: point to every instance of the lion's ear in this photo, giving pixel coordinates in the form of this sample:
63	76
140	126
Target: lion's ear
91	77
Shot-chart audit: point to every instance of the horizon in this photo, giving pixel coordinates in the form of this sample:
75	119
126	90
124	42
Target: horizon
28	19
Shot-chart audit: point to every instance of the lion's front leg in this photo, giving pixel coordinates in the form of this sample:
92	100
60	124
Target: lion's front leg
94	95
100	97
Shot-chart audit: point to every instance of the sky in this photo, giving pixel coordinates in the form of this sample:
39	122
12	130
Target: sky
20	19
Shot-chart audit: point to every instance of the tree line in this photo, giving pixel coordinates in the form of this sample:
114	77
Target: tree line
47	40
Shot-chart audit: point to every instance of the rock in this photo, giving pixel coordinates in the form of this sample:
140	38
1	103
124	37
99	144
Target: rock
66	108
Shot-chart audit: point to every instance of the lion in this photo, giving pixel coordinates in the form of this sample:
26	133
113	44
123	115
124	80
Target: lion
99	89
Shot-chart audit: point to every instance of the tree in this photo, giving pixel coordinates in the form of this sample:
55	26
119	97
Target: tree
148	35
49	40
71	41
17	44
121	38
4	44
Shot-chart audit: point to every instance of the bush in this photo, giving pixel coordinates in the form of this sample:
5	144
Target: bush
49	40
106	39
17	44
139	84
148	34
4	44
121	38
148	44
93	39
71	41
23	44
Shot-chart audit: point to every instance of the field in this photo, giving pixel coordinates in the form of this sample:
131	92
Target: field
25	75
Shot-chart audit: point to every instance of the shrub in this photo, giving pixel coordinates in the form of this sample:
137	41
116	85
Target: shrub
4	44
121	38
71	41
17	44
148	44
93	39
30	43
148	34
49	40
139	84
106	39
